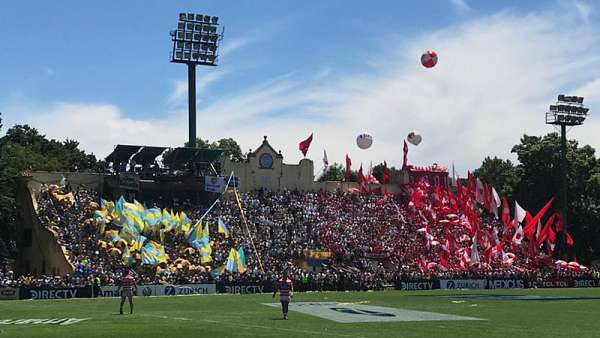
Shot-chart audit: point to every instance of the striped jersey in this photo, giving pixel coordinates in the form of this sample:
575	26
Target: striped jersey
285	287
128	282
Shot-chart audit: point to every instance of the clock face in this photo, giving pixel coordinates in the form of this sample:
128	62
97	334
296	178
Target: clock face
266	161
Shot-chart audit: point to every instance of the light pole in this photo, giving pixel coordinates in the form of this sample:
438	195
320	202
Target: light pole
568	111
195	42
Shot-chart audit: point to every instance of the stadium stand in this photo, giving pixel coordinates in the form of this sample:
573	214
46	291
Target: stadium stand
325	240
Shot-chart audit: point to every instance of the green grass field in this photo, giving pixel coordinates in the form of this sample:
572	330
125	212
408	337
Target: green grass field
246	316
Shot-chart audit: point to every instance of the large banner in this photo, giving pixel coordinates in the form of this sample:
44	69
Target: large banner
245	288
457	284
9	293
58	293
163	290
214	184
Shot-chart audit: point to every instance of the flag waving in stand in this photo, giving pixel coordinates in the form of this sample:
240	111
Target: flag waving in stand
304	145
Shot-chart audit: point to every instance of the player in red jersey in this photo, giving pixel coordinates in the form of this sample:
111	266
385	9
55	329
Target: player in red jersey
286	292
128	288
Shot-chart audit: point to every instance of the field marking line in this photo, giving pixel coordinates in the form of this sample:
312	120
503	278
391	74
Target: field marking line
164	317
319	333
249	325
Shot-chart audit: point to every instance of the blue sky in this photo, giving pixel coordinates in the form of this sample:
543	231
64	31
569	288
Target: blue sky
100	72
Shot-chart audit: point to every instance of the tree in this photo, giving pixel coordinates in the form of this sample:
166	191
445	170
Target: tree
334	172
378	171
232	149
501	174
229	146
24	148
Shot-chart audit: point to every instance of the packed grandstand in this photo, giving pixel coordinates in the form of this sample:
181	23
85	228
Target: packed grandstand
324	240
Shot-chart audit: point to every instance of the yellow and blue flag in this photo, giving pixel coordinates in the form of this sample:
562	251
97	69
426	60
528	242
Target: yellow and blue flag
234	261
223	229
112	235
167	221
184	223
152	220
137	243
153	254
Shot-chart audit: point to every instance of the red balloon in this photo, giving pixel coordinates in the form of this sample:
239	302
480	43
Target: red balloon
429	59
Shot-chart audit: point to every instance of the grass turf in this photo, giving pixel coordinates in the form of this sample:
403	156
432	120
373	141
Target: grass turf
246	316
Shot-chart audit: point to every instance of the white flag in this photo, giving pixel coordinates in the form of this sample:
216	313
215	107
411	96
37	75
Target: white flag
453	176
496	202
518	236
519	212
479	192
325	161
474	252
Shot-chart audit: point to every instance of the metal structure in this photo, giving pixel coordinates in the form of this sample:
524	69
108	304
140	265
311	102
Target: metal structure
195	42
568	111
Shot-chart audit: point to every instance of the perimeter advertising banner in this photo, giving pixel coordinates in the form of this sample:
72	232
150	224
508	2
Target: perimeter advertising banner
457	284
54	293
244	288
426	284
163	290
9	293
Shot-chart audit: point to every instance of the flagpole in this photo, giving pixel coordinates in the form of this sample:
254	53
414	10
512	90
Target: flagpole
247	229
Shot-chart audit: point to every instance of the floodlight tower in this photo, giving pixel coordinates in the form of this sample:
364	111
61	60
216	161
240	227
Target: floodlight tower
568	111
195	42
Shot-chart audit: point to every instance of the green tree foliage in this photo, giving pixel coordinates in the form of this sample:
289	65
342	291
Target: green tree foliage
334	172
536	178
501	174
378	171
24	148
229	146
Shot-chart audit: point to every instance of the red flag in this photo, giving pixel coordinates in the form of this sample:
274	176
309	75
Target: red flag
304	145
361	176
385	179
545	233
568	237
444	260
405	160
472	186
505	213
559	222
348	165
531	224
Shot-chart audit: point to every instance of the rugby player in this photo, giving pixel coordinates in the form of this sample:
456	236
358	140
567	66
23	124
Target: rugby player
286	292
127	287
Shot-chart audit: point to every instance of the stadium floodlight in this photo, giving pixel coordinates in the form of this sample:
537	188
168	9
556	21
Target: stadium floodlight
568	111
195	42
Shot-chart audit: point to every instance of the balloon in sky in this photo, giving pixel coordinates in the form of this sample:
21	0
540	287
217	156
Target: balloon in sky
414	138
364	141
429	59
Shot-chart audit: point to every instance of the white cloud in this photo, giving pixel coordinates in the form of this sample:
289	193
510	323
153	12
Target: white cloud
460	5
205	77
495	77
584	10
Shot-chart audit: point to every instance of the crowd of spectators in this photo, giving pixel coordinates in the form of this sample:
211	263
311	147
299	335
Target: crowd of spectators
374	240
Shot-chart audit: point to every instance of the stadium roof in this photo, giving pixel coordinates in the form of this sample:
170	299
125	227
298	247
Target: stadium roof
175	156
184	155
148	154
122	153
